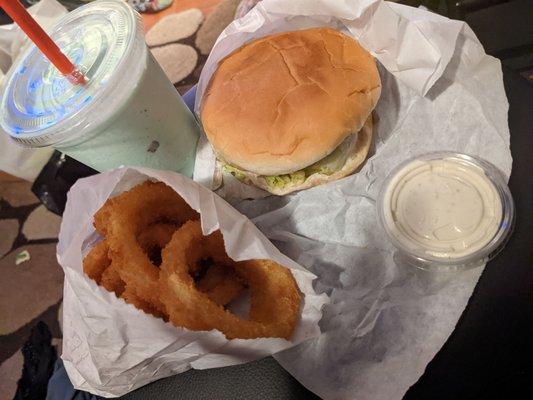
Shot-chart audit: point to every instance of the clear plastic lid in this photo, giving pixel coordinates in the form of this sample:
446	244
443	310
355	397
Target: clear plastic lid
446	211
40	107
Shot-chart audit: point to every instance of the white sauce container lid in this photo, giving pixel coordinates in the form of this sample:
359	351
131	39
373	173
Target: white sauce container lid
446	211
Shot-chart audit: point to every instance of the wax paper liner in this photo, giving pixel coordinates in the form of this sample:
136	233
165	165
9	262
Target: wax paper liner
110	347
440	92
413	45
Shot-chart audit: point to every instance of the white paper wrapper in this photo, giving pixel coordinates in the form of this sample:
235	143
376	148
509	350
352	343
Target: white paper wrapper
110	347
441	92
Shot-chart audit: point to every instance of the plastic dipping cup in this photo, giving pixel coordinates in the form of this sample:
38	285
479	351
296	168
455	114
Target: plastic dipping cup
446	211
128	113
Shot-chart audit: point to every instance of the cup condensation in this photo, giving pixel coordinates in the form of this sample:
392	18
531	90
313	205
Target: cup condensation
127	114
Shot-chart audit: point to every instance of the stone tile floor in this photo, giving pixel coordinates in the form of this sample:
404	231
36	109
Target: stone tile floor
32	290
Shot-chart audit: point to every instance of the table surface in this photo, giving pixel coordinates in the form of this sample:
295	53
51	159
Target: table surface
485	357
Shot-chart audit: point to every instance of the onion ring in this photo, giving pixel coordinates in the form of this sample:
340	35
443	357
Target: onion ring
156	235
154	238
111	280
99	267
275	300
131	297
121	220
96	261
221	284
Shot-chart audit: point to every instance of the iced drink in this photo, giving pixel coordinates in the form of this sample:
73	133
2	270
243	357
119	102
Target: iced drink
128	113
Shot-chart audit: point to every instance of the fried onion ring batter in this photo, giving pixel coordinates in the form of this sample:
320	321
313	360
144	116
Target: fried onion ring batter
96	261
122	219
275	299
219	282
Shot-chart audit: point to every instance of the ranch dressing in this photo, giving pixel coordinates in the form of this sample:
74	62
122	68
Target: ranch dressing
442	208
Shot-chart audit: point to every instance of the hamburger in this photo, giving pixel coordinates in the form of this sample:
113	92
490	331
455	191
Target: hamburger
292	110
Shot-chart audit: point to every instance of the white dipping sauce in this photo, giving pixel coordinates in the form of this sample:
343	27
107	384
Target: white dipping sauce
442	208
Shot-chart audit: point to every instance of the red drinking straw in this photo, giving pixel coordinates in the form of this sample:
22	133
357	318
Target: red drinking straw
34	31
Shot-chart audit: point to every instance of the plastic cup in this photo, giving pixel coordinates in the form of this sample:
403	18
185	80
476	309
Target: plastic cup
435	227
128	113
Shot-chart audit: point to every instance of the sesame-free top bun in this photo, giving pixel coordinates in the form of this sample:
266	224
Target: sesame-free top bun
281	103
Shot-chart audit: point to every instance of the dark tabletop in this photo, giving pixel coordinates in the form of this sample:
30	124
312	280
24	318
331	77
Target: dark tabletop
487	354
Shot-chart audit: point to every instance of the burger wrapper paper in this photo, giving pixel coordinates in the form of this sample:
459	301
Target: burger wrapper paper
109	346
440	91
